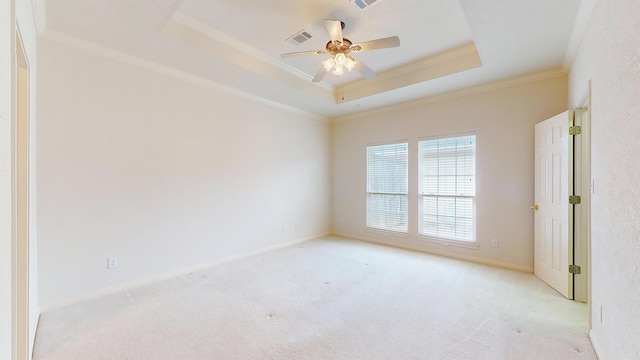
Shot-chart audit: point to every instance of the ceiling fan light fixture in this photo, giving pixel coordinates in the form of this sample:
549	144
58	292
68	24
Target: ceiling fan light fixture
350	63
338	63
328	64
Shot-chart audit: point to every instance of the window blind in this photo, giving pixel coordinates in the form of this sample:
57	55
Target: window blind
447	169
387	187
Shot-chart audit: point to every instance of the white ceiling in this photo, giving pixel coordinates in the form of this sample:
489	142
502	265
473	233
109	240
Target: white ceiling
446	45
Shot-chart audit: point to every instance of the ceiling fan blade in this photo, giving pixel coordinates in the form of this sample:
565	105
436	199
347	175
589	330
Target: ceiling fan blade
334	28
300	53
364	70
319	75
389	42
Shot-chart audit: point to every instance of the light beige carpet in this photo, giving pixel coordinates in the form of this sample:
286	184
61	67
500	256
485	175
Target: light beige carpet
326	299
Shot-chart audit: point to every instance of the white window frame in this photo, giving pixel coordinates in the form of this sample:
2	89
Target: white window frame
468	194
403	194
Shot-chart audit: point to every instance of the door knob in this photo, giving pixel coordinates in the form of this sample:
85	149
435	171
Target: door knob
534	207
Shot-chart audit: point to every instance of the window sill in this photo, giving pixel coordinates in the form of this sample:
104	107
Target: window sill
447	242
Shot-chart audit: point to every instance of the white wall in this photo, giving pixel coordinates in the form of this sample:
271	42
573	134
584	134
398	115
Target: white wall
164	174
609	56
504	124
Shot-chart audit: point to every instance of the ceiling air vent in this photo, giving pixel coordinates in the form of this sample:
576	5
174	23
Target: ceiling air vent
363	4
299	37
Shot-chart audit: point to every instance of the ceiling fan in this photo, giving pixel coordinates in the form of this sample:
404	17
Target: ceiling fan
340	48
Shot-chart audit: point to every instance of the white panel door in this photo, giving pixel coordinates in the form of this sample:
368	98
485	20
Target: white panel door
552	218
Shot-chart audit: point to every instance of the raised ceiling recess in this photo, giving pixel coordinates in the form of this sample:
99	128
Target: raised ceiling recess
236	44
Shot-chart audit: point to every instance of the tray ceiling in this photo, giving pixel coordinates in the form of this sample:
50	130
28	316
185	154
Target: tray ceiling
445	45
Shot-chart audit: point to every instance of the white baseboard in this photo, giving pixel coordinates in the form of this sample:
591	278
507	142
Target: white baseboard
165	276
596	346
34	320
525	269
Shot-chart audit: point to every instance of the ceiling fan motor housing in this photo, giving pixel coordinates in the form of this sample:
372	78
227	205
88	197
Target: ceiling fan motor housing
343	47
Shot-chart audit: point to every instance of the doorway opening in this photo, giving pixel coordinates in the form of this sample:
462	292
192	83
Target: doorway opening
562	202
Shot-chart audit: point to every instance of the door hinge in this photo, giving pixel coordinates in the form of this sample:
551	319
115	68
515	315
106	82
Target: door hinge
575	199
574	269
575	130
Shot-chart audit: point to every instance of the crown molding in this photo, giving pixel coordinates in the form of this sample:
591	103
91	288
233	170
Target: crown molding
39	15
122	57
579	28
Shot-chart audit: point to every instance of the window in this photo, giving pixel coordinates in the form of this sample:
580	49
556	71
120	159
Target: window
447	188
387	187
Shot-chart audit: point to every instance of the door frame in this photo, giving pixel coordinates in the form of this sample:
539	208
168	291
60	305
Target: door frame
583	186
20	203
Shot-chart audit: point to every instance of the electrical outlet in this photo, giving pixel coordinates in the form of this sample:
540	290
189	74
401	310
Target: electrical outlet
113	262
494	243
